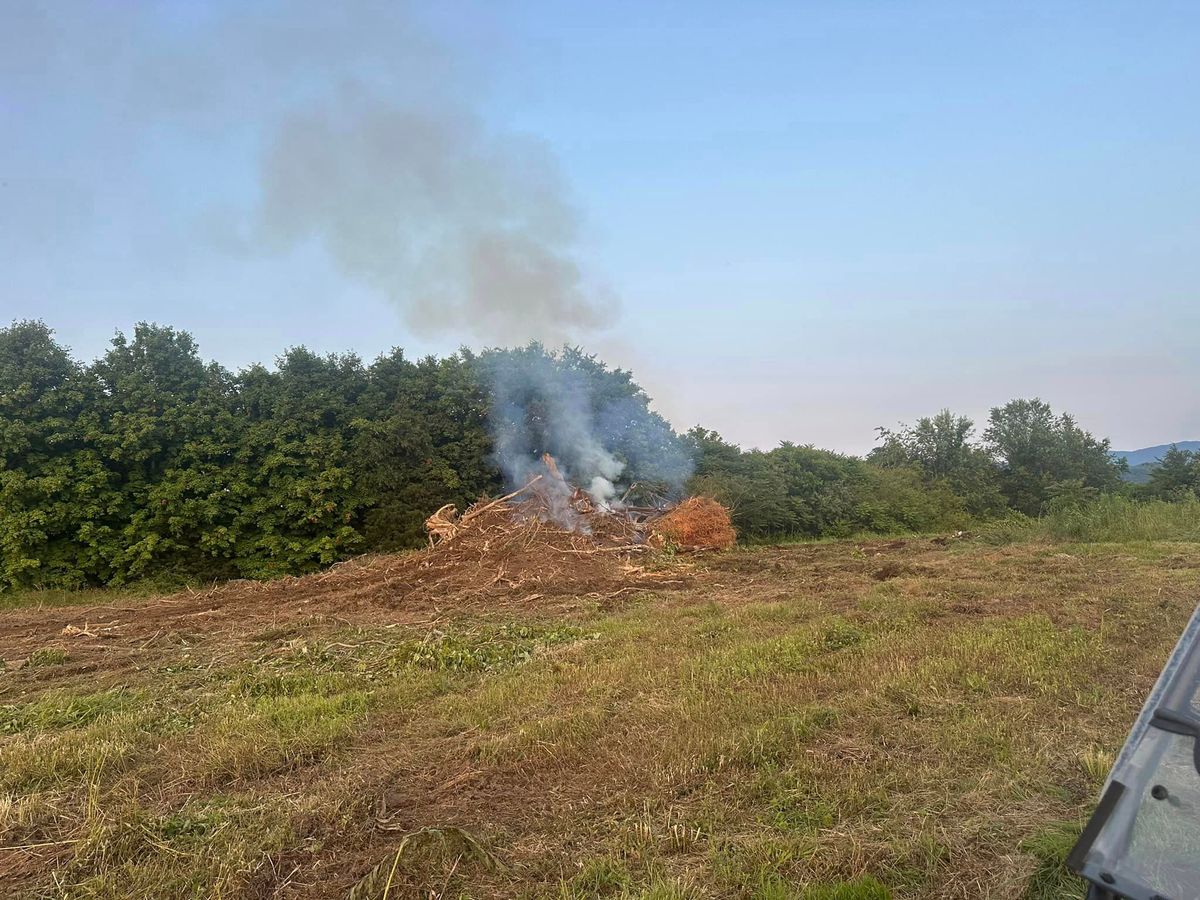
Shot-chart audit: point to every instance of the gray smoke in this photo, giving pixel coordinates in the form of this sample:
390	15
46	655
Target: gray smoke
541	407
467	231
360	131
593	421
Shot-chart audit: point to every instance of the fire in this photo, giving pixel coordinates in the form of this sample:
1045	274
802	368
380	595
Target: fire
548	499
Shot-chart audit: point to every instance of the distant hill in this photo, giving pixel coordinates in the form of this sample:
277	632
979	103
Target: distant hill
1152	454
1142	462
1139	474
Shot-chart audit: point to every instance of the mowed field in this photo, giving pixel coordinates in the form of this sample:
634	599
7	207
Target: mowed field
913	719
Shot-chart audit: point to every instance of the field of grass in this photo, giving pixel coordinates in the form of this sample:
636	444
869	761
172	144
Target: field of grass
1110	518
837	721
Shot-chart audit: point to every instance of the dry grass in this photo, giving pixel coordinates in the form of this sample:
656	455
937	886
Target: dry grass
824	722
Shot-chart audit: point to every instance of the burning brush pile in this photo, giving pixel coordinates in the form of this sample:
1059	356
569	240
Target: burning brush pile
573	530
543	543
557	537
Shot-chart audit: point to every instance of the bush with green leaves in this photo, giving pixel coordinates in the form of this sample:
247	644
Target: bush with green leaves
151	463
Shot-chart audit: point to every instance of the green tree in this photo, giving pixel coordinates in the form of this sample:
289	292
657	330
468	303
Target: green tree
167	434
1176	477
803	491
1041	455
153	462
299	502
53	483
942	450
420	441
890	500
821	489
939	446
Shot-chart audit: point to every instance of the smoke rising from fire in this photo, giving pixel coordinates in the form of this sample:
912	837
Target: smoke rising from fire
351	130
467	230
593	421
540	407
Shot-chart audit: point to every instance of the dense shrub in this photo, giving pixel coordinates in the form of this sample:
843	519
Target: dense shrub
152	463
795	491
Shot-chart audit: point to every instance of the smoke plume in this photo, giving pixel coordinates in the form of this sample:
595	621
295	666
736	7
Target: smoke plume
594	422
539	407
352	129
467	231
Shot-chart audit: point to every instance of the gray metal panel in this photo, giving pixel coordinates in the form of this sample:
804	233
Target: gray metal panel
1148	845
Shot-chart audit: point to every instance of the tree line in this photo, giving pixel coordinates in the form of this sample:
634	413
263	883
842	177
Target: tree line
934	475
152	462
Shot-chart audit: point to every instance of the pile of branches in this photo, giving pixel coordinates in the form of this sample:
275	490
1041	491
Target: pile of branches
536	541
572	523
549	517
546	542
553	538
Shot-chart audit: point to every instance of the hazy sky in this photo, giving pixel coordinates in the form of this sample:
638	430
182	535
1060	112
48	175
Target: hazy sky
794	221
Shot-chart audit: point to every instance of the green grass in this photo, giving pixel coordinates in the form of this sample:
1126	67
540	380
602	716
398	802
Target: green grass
48	598
787	728
865	888
47	656
57	709
1050	879
60	760
71	756
203	849
1110	518
269	735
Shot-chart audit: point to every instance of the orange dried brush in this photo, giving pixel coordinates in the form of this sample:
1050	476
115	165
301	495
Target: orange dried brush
698	523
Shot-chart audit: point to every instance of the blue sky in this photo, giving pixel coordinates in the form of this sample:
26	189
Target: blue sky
794	221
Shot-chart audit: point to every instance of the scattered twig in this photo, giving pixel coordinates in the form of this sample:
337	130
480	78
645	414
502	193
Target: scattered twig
150	640
473	513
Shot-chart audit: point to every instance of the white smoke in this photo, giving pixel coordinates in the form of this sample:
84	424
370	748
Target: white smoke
542	405
602	490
